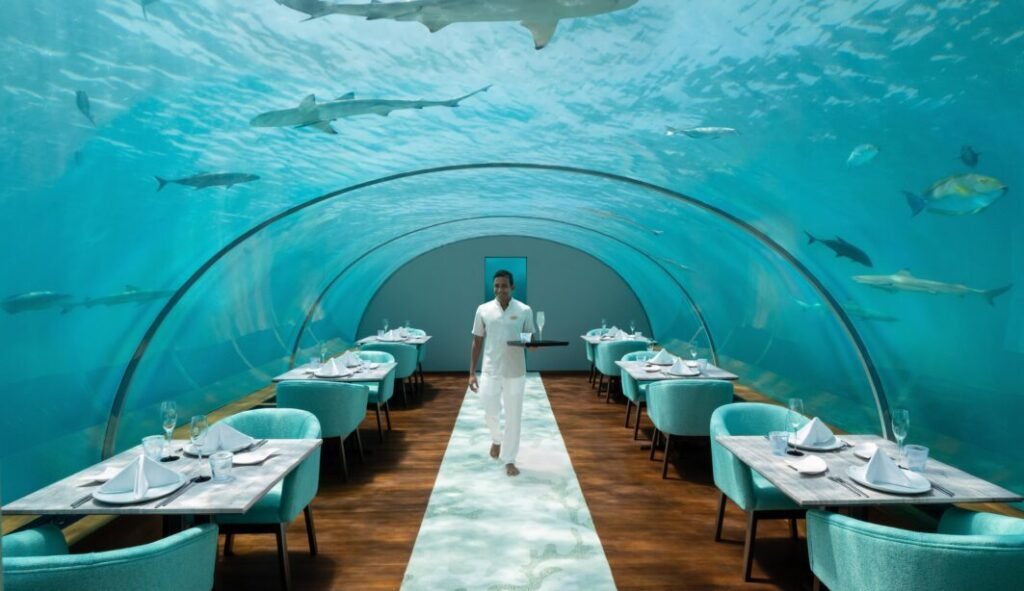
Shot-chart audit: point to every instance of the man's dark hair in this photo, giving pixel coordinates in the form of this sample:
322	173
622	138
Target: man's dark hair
504	273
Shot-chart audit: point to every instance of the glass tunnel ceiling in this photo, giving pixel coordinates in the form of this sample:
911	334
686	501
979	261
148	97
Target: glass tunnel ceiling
172	93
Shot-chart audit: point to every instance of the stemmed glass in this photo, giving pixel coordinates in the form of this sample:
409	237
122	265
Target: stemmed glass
604	323
407	325
795	416
169	415
197	433
540	325
385	325
900	427
694	352
632	327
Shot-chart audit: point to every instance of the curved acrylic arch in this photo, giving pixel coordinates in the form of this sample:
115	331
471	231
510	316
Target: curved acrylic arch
330	284
874	379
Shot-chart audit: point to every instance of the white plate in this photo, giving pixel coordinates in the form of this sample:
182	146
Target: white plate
190	449
341	374
809	465
685	374
660	363
837	443
652	368
918	484
128	497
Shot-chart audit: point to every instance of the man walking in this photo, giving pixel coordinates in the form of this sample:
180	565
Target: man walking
503	374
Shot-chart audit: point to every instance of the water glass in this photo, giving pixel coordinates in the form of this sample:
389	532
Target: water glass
900	426
197	433
314	363
153	447
380	334
220	465
169	417
917	457
407	324
702	365
525	337
779	440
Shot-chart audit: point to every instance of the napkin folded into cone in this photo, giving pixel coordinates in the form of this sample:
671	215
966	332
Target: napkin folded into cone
814	434
882	470
140	476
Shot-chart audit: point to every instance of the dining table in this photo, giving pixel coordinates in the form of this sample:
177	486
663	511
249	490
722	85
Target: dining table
834	487
643	371
373	372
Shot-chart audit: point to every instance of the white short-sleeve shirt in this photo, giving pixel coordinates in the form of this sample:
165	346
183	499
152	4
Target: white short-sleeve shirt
498	327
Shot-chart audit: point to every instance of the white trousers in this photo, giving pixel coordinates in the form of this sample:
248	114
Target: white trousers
496	391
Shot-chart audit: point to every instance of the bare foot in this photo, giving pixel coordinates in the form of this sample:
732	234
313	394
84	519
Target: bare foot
511	470
495	450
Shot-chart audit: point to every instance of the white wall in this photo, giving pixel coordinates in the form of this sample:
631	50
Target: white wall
440	290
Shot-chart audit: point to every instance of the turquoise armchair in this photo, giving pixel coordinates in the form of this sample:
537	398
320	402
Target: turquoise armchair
684	407
594	332
605	356
292	496
38	560
969	552
421	352
406	358
746	488
635	393
339	407
382	391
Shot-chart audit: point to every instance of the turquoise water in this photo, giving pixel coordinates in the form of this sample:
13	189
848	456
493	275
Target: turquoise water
172	93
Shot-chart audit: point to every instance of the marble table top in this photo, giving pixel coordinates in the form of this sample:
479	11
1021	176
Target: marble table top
638	371
248	485
362	374
820	491
597	339
420	340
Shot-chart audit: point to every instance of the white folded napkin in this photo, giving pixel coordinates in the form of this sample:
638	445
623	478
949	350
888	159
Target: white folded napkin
140	476
882	470
257	456
350	359
330	368
663	357
814	434
221	436
808	465
679	367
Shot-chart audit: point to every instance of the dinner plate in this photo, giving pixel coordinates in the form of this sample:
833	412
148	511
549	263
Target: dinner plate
809	465
686	374
837	443
340	374
652	368
918	483
190	450
129	498
660	363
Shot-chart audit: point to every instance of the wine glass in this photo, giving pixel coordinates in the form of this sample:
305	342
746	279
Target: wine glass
407	324
795	416
169	414
632	327
694	352
385	325
323	353
197	433
604	323
540	326
900	426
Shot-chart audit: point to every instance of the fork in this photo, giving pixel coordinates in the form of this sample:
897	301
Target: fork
849	486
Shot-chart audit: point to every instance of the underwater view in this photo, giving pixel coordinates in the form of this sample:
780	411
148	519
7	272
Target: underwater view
822	196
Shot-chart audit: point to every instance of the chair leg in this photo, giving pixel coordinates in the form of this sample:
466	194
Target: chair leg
628	412
593	374
387	414
817	584
282	557
229	544
792	529
639	413
654	443
608	399
310	530
359	444
405	393
380	429
600	383
664	464
721	516
344	462
748	545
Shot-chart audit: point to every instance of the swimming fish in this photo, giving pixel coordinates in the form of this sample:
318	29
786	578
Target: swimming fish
309	113
843	248
34	300
902	280
961	194
204	180
82	100
862	154
539	16
701	132
130	295
854	309
969	156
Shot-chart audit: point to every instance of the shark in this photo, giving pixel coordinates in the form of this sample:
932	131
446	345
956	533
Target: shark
34	300
854	309
902	280
130	295
539	16
842	248
204	180
310	113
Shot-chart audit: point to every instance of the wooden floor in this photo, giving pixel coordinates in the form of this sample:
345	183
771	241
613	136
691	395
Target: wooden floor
656	533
